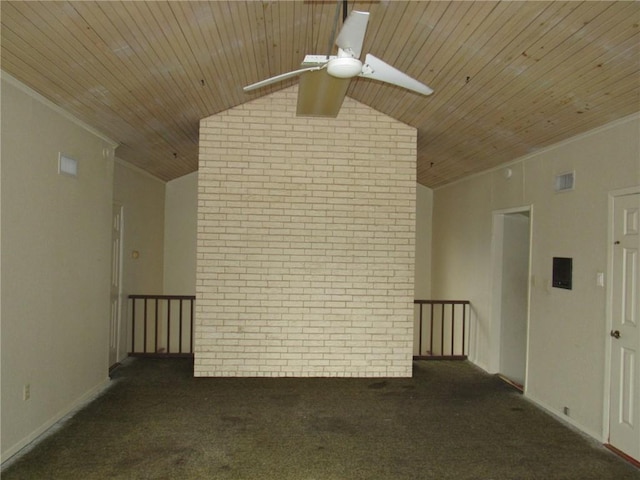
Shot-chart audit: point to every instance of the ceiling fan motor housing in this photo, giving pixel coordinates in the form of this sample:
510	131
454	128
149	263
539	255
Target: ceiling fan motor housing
344	67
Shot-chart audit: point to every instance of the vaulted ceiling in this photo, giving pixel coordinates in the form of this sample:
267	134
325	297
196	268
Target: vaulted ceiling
509	77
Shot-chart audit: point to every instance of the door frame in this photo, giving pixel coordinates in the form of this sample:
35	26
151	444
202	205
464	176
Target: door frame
497	242
118	326
609	309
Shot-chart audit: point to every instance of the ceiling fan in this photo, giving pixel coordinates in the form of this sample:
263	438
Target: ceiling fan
324	79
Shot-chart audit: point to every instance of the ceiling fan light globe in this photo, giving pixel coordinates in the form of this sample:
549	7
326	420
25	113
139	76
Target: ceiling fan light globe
344	67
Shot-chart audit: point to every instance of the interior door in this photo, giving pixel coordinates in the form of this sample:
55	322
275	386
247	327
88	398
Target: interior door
624	415
116	281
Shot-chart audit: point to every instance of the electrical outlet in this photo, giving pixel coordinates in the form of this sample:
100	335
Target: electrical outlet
566	411
26	392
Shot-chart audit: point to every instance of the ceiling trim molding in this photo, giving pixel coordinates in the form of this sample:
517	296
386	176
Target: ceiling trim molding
11	80
561	143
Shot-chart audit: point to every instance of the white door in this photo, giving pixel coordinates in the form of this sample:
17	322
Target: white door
624	415
116	288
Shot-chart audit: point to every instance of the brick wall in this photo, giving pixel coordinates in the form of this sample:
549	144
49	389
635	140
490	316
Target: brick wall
305	254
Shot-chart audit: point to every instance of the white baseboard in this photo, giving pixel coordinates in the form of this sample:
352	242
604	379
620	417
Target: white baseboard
565	419
555	412
28	442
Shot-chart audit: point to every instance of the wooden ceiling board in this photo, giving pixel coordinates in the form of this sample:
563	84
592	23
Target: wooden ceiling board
116	98
377	45
159	113
451	73
232	50
477	78
509	77
515	102
470	82
443	44
322	26
65	83
267	49
413	54
482	65
162	110
272	18
419	53
198	15
385	47
519	95
75	45
186	71
299	15
28	47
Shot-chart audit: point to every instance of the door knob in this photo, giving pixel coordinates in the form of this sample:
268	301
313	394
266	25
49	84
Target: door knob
615	333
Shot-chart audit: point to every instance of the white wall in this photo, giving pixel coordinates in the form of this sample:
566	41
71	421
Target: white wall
56	259
180	225
422	287
424	213
143	199
567	330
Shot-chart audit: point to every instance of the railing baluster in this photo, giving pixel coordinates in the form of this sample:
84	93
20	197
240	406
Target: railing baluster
144	345
464	324
453	326
180	330
155	337
420	327
454	353
158	302
191	335
133	326
168	326
442	329
431	332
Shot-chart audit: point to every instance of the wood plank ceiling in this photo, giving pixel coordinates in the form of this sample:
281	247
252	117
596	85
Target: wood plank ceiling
509	77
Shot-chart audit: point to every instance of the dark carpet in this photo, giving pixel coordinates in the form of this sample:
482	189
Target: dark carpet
450	421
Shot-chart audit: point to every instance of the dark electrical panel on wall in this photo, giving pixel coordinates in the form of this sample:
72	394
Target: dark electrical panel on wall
562	272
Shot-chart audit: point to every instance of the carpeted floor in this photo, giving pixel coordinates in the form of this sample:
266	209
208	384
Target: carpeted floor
450	421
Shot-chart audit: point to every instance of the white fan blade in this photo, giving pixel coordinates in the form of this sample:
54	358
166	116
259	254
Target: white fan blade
351	36
279	78
378	70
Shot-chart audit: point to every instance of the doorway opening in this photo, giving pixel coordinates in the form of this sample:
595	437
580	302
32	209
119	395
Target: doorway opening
511	289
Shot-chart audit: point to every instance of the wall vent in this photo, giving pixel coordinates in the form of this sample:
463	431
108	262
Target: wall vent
565	182
67	165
